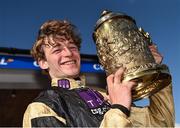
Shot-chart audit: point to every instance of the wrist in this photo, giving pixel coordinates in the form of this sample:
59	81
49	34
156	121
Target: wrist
121	108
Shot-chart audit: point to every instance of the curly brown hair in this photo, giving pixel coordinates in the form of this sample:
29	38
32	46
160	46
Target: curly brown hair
54	28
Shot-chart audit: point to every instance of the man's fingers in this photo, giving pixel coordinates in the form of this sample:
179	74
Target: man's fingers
118	76
107	98
110	83
130	84
157	56
110	80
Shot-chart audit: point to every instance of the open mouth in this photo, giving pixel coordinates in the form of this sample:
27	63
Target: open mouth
68	62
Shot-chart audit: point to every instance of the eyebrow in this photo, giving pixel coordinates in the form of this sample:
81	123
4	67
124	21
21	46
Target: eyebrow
56	45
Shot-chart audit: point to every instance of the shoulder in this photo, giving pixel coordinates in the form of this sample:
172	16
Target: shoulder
46	95
46	99
37	110
46	102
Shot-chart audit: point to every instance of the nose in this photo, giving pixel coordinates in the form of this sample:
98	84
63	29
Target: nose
67	51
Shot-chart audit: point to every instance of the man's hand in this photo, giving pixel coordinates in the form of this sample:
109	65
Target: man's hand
157	56
120	91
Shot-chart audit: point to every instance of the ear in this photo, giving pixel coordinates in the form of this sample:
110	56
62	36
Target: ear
43	64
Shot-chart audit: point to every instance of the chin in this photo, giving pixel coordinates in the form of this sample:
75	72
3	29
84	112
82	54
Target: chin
73	74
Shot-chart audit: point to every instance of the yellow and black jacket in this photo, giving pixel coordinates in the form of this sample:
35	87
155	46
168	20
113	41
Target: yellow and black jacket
70	104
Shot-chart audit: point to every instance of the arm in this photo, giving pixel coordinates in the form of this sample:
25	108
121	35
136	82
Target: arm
162	107
162	103
161	110
119	95
115	118
40	115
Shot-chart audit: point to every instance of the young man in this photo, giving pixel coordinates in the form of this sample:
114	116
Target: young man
72	103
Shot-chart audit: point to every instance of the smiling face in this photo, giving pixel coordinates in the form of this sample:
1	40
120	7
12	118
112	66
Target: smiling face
62	59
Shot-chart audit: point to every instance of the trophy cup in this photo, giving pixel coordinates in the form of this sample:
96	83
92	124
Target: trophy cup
119	43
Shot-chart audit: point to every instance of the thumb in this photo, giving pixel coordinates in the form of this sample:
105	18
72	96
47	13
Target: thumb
107	98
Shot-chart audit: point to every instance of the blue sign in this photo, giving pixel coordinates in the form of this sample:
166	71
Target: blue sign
21	62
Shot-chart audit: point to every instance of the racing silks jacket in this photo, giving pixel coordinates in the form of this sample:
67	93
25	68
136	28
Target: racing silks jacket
69	103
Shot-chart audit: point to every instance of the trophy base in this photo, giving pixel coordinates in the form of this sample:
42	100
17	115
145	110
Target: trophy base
150	81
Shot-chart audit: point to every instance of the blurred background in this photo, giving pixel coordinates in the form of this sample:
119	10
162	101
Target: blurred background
20	21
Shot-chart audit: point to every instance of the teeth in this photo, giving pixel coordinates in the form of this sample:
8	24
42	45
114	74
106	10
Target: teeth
69	62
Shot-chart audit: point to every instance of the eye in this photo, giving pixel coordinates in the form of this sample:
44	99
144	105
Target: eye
57	50
73	47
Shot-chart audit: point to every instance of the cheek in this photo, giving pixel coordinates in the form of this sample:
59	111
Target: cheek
77	55
53	62
79	59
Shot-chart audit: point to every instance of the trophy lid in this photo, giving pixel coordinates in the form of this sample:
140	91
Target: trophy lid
106	15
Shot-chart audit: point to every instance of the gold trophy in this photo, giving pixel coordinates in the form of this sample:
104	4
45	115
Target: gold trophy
119	43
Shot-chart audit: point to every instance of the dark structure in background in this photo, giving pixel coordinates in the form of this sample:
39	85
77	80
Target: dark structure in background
19	86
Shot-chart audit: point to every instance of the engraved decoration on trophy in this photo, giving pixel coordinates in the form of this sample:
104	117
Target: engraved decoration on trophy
119	43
